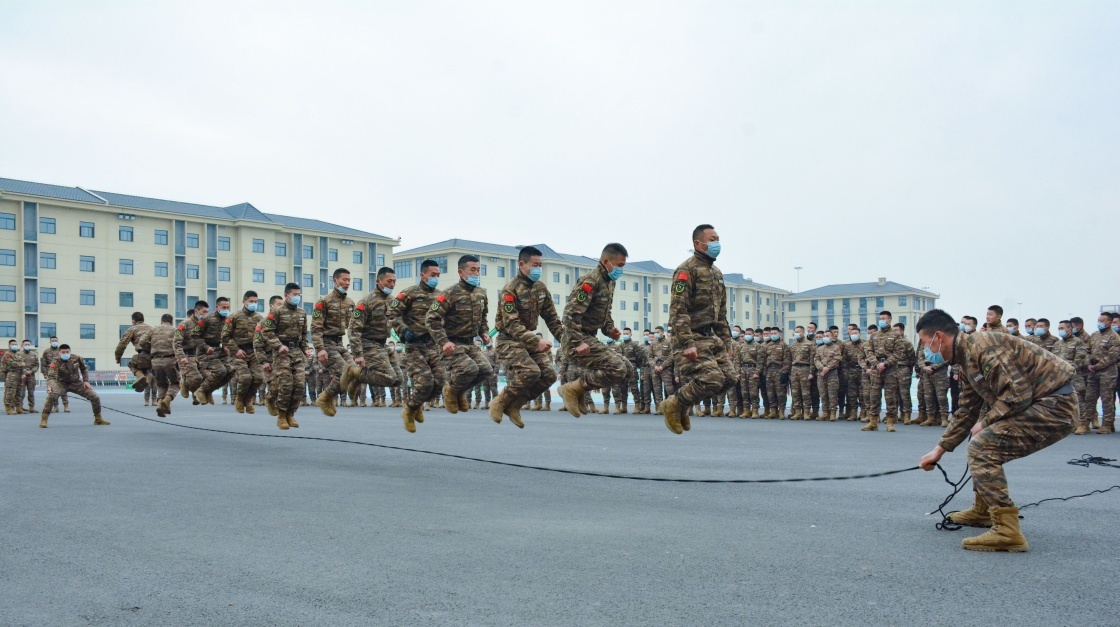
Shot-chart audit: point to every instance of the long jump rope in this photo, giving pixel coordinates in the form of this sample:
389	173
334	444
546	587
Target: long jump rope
945	524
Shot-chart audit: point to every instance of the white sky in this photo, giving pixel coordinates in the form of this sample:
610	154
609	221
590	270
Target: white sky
971	149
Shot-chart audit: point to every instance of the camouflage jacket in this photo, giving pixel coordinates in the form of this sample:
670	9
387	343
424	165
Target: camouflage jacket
887	347
408	311
47	359
287	326
159	341
827	356
30	361
330	317
1074	351
370	322
778	356
1004	374
1049	342
801	353
661	350
698	303
460	312
240	330
589	308
753	355
131	336
70	372
633	353
523	304
188	338
210	332
1104	350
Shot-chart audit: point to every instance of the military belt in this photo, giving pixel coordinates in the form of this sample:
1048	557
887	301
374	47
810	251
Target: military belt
333	338
248	348
1064	390
461	340
800	365
290	344
708	330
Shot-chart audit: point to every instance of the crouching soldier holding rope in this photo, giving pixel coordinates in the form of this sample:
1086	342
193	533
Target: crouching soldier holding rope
68	372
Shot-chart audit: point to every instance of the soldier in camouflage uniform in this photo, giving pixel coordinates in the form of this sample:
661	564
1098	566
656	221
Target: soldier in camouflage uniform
994	319
778	365
423	362
587	312
752	361
187	344
701	335
827	362
635	360
813	400
159	342
645	375
801	357
1043	337
284	333
45	362
490	388
11	369
30	361
375	363
1104	354
934	387
68	372
1071	349
851	354
905	374
546	397
329	321
456	317
1033	405
663	375
238	335
887	355
213	358
525	355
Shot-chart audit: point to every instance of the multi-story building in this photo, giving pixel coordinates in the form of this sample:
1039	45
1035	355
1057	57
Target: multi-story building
76	262
641	300
858	303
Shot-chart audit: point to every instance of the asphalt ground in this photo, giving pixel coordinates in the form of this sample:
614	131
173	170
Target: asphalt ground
143	523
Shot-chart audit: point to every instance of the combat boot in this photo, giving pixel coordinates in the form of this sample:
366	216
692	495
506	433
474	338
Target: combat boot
922	419
657	408
618	409
282	421
572	393
326	401
1096	421
606	408
408	415
795	414
498	406
536	404
1082	427
1003	536
249	409
270	407
872	425
1106	428
162	407
513	410
210	398
292	420
548	406
350	375
43	421
98	420
686	419
239	406
746	413
476	404
890	425
450	399
718	412
673	414
352	404
145	402
199	397
485	405
706	410
978	516
66	409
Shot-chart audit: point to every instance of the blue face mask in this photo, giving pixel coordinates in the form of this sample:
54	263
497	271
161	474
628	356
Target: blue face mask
882	324
625	338
827	340
1101	326
1039	331
54	344
250	307
27	348
1062	333
399	349
854	336
294	300
774	337
657	336
535	274
615	274
797	336
223	313
1116	329
1012	330
713	249
432	282
935	359
819	342
341	290
386	291
734	333
474	280
967	328
64	356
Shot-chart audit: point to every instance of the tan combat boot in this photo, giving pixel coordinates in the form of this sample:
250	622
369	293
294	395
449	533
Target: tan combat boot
1106	428
408	415
977	516
890	425
498	406
450	399
548	406
162	407
513	410
746	413
238	406
210	398
485	405
476	405
1003	536
618	409
1082	427
718	411
268	404
922	418
43	421
350	376
872	424
686	419
572	393
282	421
98	420
249	409
706	410
931	421
292	420
199	397
673	414
326	401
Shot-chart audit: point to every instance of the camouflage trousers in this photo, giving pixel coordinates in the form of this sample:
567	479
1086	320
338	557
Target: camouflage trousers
466	367
629	385
749	387
882	384
165	377
663	384
425	368
191	375
382	368
602	367
57	388
645	387
709	375
814	393
799	390
1100	385
853	394
775	389
829	385
934	388
900	379
735	396
338	357
29	384
527	374
1045	422
141	367
248	377
13	390
289	371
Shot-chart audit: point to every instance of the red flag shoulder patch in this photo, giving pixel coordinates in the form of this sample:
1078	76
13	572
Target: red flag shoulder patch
361	306
441	298
508	298
229	320
271	317
400	296
179	328
319	305
258	329
54	365
586	287
201	323
683	276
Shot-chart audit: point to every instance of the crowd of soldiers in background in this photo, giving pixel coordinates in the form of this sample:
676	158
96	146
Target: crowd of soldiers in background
822	374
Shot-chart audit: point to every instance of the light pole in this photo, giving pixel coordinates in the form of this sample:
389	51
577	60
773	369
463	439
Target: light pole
798	268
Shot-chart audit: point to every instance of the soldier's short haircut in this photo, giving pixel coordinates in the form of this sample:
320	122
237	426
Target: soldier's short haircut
1077	320
137	316
872	328
339	272
272	299
1012	321
758	330
201	303
292	287
737	327
623	328
167	318
658	328
886	313
614	249
63	347
820	332
27	340
465	259
1044	321
799	328
383	270
1065	322
698	232
997	309
55	337
221	299
528	252
971	319
1114	315
1031	320
813	322
936	320
428	263
899	325
834	328
249	294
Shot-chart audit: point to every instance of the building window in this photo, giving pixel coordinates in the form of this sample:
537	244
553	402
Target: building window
358	259
8	221
829	307
792	325
664	289
192	271
621	285
555	277
125	233
281	278
635	307
381	261
258	245
482	270
567	279
126	299
308	252
747	316
813	306
87	332
88	297
357	285
161	301
258	275
767	302
86	264
332	254
748	298
281	249
191	300
126	266
403	269
48	225
792	307
309	281
7	293
192	240
622	305
501	272
7	329
879	303
901	301
48	296
47	330
902	319
223	242
85	229
161	268
121	330
556	299
223	274
664	309
48	261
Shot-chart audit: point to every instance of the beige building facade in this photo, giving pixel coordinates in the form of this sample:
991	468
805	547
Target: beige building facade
858	303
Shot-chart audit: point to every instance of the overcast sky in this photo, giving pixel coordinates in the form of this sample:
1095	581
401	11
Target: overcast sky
973	150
